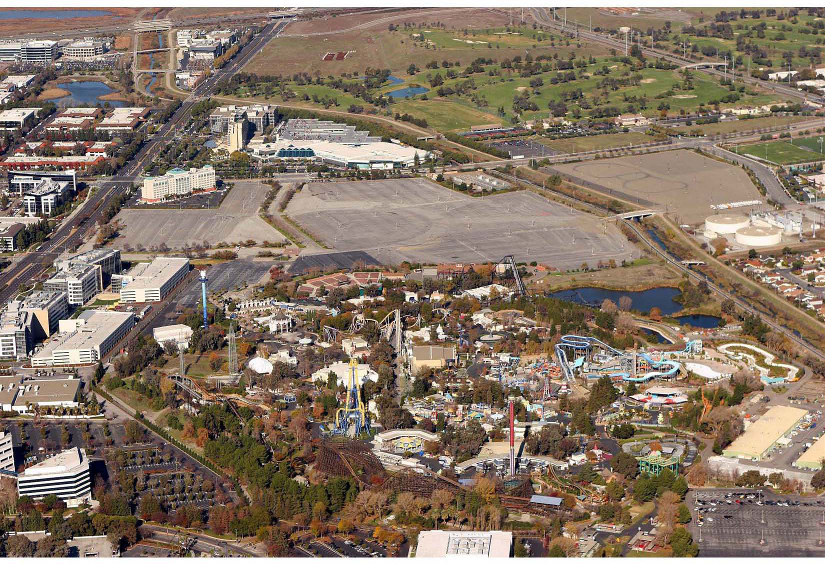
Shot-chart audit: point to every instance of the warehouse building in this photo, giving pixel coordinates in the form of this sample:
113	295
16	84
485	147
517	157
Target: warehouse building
86	339
79	281
150	281
812	458
65	475
178	182
478	544
763	434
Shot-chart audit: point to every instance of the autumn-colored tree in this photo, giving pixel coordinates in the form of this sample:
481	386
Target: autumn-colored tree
655	314
203	436
188	430
215	361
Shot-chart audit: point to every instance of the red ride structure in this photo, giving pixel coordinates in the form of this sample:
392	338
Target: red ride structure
512	442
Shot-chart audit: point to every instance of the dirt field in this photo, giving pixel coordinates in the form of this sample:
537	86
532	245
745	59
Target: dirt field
236	220
628	278
674	181
371	44
53	94
418	220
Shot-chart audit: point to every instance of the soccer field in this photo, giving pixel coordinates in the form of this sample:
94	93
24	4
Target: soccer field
784	152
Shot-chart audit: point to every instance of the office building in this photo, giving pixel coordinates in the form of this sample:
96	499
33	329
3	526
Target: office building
6	452
106	260
41	394
8	235
477	544
150	281
19	182
178	182
38	52
17	119
123	120
259	117
80	282
76	162
10	51
45	198
84	50
65	475
15	331
47	309
236	135
86	339
69	124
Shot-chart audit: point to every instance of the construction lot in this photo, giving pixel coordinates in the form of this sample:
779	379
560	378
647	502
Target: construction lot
234	221
736	529
417	220
681	182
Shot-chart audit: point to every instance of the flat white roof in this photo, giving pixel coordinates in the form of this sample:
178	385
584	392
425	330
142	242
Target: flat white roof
478	544
154	274
17	114
99	325
764	432
64	462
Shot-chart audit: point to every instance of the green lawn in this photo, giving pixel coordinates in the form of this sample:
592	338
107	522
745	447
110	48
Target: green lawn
446	115
780	152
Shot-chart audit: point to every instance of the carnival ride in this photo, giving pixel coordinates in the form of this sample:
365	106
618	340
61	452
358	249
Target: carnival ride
579	355
352	418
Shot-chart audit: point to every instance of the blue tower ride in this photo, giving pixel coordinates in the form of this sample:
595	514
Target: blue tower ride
203	293
352	418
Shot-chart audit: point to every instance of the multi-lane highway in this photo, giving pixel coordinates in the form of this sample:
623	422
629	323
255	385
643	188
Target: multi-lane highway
30	266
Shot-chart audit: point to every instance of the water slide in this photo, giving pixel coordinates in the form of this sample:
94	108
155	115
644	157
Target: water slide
578	344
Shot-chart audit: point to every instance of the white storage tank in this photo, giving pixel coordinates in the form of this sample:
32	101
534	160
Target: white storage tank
726	223
759	236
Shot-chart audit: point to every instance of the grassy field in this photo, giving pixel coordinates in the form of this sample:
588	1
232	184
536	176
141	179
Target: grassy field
446	115
630	278
781	152
596	142
740	124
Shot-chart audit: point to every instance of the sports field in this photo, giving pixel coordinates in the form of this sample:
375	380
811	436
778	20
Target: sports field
680	182
730	126
785	152
417	220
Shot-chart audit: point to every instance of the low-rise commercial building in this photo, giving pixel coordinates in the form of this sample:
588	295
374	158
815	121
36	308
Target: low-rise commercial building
8	235
74	162
17	119
763	434
432	356
63	124
178	182
85	340
123	120
80	282
65	475
376	155
178	334
46	393
150	282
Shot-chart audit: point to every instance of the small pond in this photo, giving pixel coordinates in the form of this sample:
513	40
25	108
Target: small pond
642	301
87	92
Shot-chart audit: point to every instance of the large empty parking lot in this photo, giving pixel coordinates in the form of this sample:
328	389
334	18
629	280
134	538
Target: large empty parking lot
234	221
681	182
417	220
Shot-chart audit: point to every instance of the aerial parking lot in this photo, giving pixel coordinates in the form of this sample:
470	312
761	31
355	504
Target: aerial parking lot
680	182
418	220
731	523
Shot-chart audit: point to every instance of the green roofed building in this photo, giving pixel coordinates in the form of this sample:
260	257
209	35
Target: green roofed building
654	463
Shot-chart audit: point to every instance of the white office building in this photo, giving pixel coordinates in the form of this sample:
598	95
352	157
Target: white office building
17	118
79	281
106	260
178	182
20	182
39	52
150	281
84	50
86	339
45	197
65	475
471	544
6	452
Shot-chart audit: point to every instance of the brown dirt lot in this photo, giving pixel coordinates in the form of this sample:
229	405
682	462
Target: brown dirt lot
123	42
375	46
53	94
457	18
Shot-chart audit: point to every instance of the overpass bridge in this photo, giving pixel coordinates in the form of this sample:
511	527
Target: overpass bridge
152	25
